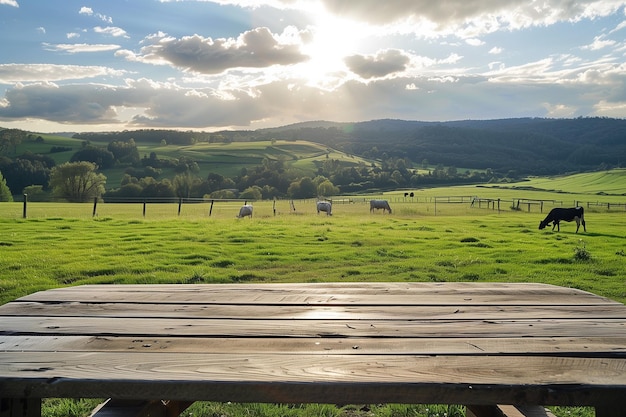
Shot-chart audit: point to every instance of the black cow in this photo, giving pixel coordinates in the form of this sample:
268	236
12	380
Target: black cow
566	214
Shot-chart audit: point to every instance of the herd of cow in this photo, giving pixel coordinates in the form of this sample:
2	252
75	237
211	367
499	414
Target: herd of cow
555	216
322	206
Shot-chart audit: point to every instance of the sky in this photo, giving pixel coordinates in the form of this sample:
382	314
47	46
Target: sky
89	65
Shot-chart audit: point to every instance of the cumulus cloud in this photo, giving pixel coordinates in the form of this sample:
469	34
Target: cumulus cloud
418	79
257	48
74	48
412	97
67	104
88	11
471	17
380	65
9	3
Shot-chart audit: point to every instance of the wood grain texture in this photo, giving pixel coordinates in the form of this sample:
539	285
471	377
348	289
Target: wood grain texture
451	343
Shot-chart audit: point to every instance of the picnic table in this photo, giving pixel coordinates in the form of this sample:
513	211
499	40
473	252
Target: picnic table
497	348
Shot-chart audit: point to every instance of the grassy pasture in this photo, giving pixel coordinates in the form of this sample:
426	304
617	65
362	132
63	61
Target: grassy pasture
61	245
457	243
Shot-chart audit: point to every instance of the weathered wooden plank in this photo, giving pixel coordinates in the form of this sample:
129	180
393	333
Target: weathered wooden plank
222	368
461	343
310	328
309	378
297	294
557	346
432	312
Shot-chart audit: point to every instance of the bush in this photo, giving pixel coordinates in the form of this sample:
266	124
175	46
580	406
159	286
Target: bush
581	253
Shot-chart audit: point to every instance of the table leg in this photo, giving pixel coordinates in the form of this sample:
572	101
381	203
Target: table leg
616	410
20	407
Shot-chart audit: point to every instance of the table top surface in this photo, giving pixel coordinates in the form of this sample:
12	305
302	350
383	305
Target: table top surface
344	343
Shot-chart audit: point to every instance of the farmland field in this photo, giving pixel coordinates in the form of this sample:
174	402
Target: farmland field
426	238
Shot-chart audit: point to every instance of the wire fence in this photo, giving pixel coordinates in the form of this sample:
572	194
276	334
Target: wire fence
158	208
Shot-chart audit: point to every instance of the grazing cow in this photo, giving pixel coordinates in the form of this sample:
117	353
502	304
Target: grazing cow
555	216
326	206
379	204
244	211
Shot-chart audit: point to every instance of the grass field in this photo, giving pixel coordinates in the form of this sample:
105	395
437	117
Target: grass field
61	245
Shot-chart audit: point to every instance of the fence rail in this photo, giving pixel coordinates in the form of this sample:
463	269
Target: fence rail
205	207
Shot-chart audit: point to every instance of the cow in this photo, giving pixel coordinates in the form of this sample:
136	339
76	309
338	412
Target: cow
245	210
557	215
326	206
379	204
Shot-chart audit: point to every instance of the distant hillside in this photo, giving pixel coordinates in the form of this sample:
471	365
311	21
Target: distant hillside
509	147
528	146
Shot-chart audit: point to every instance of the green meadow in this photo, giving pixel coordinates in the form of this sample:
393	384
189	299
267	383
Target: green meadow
428	237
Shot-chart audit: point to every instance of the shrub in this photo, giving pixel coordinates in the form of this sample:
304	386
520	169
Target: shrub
581	253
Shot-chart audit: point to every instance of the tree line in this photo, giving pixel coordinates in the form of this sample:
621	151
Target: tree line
495	150
80	179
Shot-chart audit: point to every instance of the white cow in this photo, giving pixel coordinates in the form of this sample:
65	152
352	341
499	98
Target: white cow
379	204
245	210
326	206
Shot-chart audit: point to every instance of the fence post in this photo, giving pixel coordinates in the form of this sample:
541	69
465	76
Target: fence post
180	203
95	204
24	209
144	208
211	208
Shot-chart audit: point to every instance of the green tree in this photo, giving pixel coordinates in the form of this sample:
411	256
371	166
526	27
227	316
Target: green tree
5	193
304	188
125	152
77	181
252	193
35	193
183	183
326	188
10	138
100	156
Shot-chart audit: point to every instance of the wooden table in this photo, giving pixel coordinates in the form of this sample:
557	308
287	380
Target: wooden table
477	344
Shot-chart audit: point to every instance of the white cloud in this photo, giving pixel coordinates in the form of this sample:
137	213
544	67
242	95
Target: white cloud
599	42
111	31
75	48
380	65
467	18
88	11
13	73
619	27
41	30
166	104
413	60
10	3
474	42
257	48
